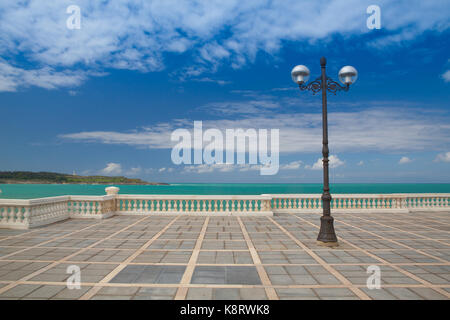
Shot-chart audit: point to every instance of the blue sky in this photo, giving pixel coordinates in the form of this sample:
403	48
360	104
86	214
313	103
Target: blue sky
104	99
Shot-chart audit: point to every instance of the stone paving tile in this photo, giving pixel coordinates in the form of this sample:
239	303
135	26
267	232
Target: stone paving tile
173	244
23	242
43	292
224	257
224	236
225	275
403	256
223	245
120	244
102	255
284	261
8	250
150	274
300	275
45	254
180	235
155	294
438	274
89	272
359	275
286	257
226	294
19	291
335	294
149	256
342	257
275	244
297	294
268	236
439	253
11	271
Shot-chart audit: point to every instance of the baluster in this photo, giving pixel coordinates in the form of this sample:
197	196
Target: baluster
145	205
88	207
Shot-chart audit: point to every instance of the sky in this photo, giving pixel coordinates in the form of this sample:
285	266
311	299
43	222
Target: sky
105	98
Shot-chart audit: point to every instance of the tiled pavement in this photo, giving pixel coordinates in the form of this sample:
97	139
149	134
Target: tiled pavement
194	257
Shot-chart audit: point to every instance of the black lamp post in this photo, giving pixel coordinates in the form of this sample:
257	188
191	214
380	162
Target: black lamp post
347	75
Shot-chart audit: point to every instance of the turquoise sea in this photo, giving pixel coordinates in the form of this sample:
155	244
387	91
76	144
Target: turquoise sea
28	191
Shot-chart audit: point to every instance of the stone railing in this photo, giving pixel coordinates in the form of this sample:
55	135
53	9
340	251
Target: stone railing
194	204
24	214
97	207
367	202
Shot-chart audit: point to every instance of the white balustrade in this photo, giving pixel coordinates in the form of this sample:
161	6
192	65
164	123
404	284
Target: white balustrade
361	202
24	214
193	204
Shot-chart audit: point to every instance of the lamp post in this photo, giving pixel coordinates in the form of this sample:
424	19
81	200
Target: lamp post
347	75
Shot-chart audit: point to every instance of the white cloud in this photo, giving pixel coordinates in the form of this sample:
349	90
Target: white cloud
446	76
404	160
361	163
443	157
382	128
137	36
11	78
334	162
207	79
292	165
112	169
208	168
134	171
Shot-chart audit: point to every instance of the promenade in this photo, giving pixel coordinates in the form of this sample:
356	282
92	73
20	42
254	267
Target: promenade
230	257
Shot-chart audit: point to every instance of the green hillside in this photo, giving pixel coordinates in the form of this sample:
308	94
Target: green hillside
52	177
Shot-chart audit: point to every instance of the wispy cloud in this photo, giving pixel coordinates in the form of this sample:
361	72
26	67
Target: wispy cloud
12	78
292	165
382	129
404	160
446	76
138	36
443	157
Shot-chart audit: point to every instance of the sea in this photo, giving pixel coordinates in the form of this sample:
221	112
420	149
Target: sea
30	191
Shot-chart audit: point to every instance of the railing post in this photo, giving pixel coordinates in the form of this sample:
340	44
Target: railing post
113	191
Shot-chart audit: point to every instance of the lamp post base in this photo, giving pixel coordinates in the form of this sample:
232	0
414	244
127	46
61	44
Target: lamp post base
327	244
327	236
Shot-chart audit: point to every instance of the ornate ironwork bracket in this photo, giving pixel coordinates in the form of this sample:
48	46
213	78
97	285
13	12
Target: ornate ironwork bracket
333	86
316	86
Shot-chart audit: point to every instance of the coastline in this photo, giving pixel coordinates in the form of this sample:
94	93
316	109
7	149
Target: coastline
83	183
34	190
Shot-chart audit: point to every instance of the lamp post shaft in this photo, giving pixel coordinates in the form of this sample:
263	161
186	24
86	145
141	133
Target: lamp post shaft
326	233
